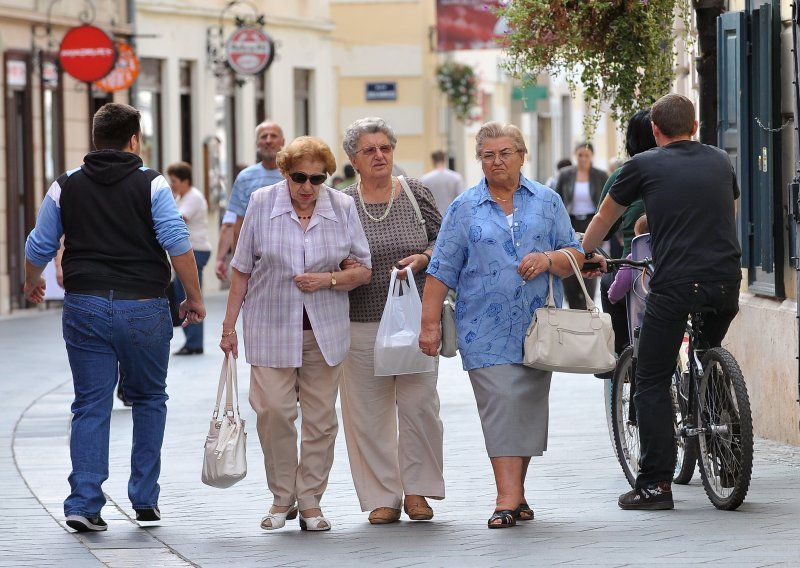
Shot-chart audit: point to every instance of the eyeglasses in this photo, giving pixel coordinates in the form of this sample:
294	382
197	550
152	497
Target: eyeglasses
302	177
504	155
370	150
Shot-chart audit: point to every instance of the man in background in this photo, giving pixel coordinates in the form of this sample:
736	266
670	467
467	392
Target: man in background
444	183
269	141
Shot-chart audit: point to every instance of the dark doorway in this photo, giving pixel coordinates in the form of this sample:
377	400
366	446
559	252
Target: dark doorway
19	172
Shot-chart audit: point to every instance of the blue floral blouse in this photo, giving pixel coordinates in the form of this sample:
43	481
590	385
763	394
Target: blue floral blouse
477	254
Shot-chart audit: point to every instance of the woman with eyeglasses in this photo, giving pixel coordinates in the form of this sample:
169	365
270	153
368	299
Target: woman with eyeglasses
391	424
287	272
498	242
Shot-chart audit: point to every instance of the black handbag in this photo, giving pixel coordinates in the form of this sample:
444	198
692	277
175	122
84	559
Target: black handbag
173	305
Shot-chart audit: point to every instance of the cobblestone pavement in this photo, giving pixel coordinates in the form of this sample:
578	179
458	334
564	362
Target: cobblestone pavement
573	487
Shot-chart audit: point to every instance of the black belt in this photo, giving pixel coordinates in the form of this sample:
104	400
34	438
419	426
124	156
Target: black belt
116	294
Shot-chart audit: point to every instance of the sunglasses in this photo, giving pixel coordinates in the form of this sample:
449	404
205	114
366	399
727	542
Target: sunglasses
301	177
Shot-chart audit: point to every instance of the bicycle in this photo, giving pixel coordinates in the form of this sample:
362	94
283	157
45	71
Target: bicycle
712	418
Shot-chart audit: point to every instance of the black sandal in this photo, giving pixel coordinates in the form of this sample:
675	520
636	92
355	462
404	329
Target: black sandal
523	512
506	518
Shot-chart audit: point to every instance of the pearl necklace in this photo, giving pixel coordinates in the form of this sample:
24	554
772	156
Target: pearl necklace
388	207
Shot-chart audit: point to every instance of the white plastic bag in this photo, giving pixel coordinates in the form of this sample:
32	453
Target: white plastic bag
397	349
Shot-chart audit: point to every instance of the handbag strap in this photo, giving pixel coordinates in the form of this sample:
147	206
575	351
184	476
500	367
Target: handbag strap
228	382
590	305
411	198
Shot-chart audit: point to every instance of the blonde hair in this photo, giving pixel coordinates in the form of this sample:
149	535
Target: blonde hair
306	147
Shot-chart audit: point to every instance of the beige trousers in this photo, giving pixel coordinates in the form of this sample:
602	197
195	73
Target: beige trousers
392	427
274	399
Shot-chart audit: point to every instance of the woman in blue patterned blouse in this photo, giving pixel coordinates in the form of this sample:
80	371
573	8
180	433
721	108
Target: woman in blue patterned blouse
495	248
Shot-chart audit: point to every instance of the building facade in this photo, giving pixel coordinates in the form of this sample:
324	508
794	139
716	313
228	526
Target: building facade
194	108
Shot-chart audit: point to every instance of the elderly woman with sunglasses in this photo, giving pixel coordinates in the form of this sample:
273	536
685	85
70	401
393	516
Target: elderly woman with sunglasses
392	425
286	271
498	242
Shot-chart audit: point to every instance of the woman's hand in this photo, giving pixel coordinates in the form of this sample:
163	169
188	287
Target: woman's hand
430	339
229	343
533	264
312	281
349	263
417	262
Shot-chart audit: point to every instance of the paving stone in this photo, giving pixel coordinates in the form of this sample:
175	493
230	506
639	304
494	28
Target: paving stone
573	487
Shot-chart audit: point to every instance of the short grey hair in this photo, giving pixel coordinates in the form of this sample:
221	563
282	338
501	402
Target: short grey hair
369	125
499	130
267	123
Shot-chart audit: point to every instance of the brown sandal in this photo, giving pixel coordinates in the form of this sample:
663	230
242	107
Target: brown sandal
419	511
384	516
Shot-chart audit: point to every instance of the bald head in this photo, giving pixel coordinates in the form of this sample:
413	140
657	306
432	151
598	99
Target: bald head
269	141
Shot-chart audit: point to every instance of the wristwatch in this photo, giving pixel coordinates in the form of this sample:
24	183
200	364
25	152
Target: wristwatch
333	280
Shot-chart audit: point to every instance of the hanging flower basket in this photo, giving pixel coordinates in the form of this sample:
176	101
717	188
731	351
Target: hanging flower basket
619	51
459	84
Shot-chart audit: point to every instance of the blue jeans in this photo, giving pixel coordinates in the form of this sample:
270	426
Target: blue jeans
194	332
102	333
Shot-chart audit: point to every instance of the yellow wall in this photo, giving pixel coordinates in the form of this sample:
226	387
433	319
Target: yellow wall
388	42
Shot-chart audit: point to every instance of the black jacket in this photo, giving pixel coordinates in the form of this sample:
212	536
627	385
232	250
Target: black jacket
565	185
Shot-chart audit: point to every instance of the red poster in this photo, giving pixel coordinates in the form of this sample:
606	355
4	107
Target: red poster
468	24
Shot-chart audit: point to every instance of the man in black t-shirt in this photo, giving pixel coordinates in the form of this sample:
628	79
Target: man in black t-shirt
689	191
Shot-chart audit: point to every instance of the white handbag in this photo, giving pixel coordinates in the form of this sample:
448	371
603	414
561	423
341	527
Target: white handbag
397	349
224	459
570	341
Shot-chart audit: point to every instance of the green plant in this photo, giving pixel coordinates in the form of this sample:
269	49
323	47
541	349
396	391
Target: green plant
620	51
460	84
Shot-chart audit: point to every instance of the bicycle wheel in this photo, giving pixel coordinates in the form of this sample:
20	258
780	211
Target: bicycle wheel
625	431
726	441
607	396
686	447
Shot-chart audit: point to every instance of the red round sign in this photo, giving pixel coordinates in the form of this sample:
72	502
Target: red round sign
87	53
125	70
250	50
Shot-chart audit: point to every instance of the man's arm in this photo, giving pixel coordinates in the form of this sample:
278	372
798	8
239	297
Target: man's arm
237	228
224	245
192	307
603	220
34	283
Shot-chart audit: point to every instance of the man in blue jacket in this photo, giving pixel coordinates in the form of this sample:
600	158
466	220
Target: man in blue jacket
118	218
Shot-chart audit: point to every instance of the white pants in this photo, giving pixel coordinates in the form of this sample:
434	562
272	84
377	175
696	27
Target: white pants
392	427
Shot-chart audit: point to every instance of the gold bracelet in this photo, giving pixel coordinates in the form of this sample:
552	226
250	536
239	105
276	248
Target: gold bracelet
231	332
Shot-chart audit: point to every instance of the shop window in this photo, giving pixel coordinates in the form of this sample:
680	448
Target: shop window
261	97
302	102
187	136
149	103
52	121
